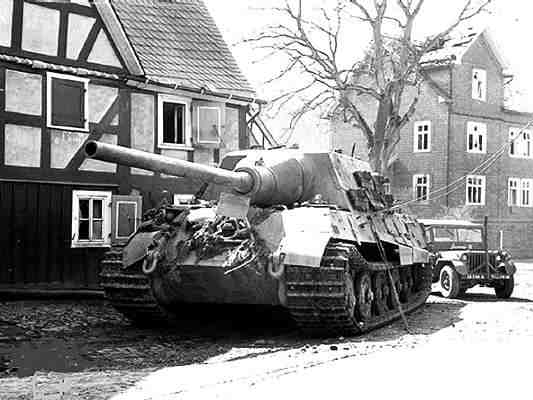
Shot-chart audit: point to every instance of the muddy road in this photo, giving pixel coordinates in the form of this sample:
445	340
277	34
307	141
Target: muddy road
89	351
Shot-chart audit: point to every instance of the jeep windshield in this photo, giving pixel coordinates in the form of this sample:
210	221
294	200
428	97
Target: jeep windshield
455	238
444	234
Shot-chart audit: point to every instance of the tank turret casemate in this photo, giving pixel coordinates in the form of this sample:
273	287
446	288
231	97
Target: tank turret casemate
309	231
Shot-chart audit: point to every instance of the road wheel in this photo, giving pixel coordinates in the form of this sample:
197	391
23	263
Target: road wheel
380	293
364	297
449	282
504	288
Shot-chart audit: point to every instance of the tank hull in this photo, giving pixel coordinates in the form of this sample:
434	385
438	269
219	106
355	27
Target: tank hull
329	275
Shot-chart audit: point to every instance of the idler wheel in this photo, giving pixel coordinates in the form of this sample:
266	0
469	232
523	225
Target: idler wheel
380	293
364	297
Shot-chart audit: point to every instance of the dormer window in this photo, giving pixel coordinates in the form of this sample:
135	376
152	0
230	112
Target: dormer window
479	84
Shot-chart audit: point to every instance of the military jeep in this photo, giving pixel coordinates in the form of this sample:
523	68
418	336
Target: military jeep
463	260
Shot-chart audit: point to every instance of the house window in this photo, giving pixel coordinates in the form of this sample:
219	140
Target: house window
479	84
173	122
513	192
519	192
387	188
209	124
91	218
476	137
422	136
67	106
526	186
475	190
520	143
421	187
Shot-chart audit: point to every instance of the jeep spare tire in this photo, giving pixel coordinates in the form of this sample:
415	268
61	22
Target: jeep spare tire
449	282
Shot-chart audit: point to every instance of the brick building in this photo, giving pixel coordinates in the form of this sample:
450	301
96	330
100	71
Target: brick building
460	123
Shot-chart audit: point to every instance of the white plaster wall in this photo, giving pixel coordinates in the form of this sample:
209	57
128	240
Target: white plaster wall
6	17
79	27
203	156
100	99
22	146
179	154
101	166
23	92
37	36
142	125
102	52
64	145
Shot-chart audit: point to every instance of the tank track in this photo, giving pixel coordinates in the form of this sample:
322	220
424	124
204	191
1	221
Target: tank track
130	292
321	300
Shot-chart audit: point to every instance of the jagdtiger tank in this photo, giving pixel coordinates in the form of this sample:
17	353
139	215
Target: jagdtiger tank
312	232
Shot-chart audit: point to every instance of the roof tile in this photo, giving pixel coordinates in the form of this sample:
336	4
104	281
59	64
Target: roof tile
177	41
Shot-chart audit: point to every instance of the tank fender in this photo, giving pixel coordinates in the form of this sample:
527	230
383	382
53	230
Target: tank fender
137	247
413	255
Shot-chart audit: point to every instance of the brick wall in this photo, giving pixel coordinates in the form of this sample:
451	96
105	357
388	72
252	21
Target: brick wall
449	160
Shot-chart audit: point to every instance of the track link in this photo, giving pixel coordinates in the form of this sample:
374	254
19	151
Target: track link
130	291
321	300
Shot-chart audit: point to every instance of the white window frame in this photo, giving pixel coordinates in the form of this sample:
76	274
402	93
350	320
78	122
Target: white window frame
85	81
513	184
219	117
526	185
521	186
427	184
417	135
78	195
521	138
482	74
481	132
482	186
167	98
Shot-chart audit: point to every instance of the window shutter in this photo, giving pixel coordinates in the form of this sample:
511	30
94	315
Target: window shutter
68	103
126	212
208	124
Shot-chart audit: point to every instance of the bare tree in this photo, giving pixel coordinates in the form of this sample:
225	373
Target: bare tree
392	63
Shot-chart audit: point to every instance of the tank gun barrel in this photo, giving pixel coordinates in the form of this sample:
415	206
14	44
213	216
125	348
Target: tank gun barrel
241	181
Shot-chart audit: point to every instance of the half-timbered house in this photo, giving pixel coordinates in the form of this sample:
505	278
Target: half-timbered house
152	75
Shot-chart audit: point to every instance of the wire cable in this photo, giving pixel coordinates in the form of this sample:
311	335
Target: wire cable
482	167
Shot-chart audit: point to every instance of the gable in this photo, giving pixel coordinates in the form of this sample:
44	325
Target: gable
178	43
481	53
66	33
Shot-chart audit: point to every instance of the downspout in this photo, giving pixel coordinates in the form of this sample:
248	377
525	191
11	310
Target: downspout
450	110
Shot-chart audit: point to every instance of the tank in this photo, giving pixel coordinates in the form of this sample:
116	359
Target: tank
311	232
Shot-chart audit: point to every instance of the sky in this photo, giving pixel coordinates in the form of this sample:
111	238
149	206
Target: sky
511	22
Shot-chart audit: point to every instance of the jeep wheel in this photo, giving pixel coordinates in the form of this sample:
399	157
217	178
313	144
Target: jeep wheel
449	282
504	288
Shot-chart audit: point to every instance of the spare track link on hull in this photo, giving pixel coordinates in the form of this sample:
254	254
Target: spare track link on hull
130	292
321	301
